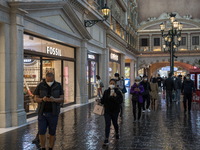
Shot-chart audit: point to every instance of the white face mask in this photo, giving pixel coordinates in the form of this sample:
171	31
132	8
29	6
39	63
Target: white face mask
188	78
50	83
137	83
145	79
111	86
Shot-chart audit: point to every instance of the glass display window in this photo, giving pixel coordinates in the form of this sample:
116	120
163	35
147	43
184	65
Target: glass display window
114	67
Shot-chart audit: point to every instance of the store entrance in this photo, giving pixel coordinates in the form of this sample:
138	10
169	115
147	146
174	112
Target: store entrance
35	69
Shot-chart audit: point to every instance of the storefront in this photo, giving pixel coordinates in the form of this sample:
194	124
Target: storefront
114	64
92	71
42	56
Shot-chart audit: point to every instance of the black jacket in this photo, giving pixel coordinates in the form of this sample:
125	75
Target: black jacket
112	103
169	84
188	87
42	91
147	87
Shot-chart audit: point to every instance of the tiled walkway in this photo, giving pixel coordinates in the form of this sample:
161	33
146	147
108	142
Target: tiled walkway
164	128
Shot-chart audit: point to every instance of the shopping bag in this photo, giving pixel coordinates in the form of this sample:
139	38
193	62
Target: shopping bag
98	109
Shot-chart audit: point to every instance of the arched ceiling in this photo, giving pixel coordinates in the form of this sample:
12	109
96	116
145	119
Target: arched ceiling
153	8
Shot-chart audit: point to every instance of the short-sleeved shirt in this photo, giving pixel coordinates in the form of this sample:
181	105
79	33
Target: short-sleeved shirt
43	89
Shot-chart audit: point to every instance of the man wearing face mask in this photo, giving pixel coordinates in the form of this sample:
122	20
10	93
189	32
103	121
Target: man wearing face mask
146	93
187	90
49	95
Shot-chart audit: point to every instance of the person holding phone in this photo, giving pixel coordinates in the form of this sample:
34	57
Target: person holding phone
49	95
112	99
137	98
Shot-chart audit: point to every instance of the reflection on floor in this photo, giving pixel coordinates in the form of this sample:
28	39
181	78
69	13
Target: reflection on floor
164	128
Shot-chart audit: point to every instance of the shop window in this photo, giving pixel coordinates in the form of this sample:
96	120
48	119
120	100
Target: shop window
183	41
195	40
144	42
156	41
68	81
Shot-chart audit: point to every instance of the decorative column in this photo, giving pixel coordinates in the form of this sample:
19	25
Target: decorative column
189	41
104	67
122	69
150	43
81	74
132	73
5	101
16	68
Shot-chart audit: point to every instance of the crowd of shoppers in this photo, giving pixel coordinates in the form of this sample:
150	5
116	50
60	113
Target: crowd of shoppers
49	96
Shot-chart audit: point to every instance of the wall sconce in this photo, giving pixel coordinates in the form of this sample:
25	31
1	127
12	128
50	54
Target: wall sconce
105	10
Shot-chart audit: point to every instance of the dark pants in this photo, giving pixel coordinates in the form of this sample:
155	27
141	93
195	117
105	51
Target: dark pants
169	96
121	110
108	117
146	98
139	109
187	97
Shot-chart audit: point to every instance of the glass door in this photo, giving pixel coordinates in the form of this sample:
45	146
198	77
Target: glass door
92	72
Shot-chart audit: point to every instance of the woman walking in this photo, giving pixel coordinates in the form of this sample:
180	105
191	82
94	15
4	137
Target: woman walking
99	86
112	99
154	91
137	100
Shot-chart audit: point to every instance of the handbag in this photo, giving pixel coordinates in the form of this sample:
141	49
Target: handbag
98	109
124	90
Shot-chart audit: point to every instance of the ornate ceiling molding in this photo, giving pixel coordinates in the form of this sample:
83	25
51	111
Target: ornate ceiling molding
165	17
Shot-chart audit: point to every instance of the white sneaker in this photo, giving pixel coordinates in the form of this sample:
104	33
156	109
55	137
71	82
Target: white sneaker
148	110
143	111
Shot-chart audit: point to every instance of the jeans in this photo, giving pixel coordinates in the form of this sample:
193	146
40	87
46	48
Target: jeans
187	97
108	118
139	109
169	96
146	98
47	120
178	95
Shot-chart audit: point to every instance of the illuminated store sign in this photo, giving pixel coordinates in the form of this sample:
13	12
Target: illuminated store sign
90	56
29	61
114	57
53	51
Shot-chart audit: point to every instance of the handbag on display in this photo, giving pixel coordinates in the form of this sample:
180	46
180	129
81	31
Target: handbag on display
98	109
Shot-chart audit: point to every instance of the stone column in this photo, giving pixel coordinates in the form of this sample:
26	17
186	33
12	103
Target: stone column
150	43
189	41
81	74
5	101
16	63
132	73
104	67
122	69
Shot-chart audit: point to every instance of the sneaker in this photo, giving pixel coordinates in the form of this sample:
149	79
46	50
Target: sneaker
105	142
143	111
148	110
117	136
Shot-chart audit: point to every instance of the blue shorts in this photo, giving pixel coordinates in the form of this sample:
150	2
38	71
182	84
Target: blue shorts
47	120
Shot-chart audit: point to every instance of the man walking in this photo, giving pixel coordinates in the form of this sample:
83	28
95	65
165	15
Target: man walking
187	89
49	95
146	93
169	86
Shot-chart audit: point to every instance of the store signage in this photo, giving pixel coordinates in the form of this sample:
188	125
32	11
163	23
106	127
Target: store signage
28	61
90	56
53	51
114	57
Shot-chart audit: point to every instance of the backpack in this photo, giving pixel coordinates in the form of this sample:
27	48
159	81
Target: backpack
101	84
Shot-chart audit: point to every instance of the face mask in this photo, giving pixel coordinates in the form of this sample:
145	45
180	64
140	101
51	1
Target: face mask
111	86
50	83
187	77
137	83
145	79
